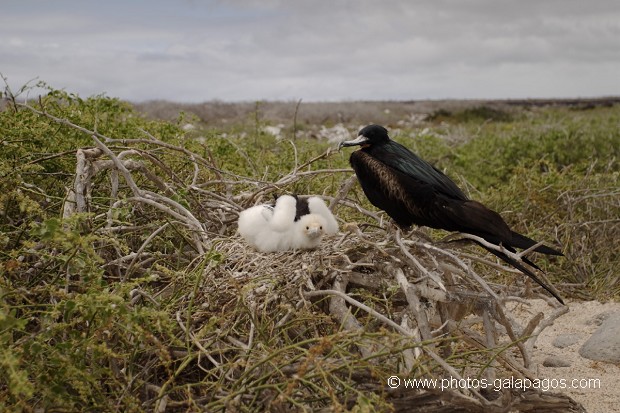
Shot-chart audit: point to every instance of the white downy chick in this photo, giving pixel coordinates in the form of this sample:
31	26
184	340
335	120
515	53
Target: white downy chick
308	231
283	228
270	229
317	206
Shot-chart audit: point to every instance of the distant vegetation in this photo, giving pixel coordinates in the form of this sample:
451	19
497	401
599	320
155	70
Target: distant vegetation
217	113
101	308
473	114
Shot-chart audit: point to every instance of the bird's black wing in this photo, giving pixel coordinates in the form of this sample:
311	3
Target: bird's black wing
402	159
302	207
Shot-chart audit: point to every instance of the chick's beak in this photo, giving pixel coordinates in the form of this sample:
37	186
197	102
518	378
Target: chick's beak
314	231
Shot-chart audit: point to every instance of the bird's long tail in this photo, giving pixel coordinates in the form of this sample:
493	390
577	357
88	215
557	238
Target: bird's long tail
521	241
526	270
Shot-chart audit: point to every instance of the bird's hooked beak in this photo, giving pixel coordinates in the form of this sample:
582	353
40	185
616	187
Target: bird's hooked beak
360	140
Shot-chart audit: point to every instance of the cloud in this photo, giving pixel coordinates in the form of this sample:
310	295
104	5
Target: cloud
321	50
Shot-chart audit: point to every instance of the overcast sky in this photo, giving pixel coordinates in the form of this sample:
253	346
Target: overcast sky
193	51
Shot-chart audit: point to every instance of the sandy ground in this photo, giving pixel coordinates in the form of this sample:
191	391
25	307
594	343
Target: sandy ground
580	321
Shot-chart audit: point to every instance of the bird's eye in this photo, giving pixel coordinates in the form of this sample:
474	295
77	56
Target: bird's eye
321	227
307	227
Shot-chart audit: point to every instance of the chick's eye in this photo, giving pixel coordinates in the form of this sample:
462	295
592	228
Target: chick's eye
307	227
321	227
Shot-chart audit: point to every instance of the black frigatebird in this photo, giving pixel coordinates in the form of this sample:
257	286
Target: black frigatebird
412	191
